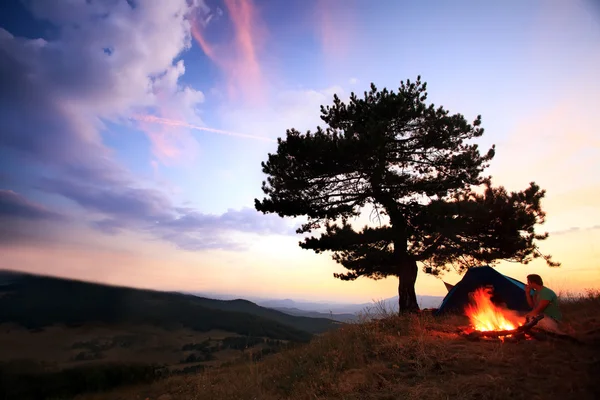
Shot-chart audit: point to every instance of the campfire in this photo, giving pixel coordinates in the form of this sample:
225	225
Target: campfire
489	320
485	316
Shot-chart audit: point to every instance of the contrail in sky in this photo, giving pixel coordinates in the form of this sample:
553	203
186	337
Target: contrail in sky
175	123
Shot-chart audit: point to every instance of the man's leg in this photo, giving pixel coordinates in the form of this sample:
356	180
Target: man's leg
549	325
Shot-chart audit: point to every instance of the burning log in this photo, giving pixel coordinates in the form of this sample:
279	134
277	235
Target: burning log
531	323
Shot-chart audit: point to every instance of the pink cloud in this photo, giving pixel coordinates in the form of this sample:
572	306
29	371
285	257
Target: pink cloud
239	58
173	144
336	20
166	122
170	144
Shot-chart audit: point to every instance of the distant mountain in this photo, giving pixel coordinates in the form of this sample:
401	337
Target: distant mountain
38	301
329	308
314	314
424	302
390	304
321	307
316	324
8	277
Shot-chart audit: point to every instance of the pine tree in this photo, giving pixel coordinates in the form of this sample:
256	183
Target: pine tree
413	165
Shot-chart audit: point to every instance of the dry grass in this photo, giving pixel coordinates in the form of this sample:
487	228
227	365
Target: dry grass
416	357
150	344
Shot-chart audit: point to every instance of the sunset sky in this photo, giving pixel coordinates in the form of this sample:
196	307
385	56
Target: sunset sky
132	132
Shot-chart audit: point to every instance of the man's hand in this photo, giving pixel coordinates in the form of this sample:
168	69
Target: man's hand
528	296
530	316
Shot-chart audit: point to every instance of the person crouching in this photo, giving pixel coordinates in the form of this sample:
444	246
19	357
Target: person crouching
543	301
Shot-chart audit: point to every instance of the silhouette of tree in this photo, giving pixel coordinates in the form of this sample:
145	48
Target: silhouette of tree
413	166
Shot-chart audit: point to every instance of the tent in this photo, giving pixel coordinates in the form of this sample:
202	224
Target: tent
448	286
506	290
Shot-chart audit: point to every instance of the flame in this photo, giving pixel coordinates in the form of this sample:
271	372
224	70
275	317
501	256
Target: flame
486	316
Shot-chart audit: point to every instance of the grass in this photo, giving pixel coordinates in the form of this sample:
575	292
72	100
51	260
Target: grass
59	346
408	357
59	362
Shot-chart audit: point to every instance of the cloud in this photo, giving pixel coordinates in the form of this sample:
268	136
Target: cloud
111	54
575	229
109	61
196	231
336	27
129	208
298	109
238	59
22	220
17	206
244	220
121	201
174	144
177	123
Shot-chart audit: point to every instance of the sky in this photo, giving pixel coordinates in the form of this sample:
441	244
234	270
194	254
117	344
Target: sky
132	132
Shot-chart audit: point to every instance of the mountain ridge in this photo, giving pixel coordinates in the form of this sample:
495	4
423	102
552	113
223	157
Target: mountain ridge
36	301
328	307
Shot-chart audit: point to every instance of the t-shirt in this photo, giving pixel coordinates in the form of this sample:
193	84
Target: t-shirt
551	309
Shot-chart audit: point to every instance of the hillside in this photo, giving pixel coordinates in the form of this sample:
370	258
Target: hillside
61	337
317	323
417	357
314	314
37	301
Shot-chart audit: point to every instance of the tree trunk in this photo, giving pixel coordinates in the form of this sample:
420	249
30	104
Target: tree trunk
407	297
407	265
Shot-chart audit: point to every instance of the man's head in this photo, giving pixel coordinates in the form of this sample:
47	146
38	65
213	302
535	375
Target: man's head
535	281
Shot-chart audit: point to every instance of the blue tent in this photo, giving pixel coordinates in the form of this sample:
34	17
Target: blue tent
506	290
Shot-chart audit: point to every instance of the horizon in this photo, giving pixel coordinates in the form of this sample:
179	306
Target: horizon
133	132
219	296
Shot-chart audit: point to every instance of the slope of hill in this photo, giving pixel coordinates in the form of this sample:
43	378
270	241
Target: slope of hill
312	324
412	357
37	301
347	317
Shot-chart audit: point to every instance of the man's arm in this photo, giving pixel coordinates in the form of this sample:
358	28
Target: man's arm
540	307
528	296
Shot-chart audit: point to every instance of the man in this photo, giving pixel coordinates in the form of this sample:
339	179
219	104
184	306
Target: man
543	301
